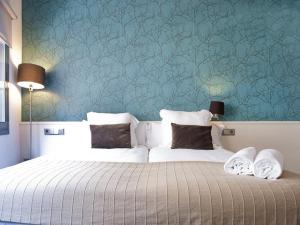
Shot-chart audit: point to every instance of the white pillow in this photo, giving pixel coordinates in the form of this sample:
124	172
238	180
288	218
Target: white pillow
201	118
115	118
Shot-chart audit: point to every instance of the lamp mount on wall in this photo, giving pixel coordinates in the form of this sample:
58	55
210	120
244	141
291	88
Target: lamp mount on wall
216	108
32	77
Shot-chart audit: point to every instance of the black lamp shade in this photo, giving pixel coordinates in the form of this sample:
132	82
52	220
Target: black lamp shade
216	107
31	76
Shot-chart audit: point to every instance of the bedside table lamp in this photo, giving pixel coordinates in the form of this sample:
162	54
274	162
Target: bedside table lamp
216	108
32	77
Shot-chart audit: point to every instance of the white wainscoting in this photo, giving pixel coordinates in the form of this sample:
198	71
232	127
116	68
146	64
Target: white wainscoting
284	136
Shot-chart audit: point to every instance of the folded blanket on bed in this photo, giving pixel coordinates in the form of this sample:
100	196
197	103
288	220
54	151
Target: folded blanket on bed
268	164
241	163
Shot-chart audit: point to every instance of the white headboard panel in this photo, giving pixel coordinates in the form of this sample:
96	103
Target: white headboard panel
77	136
283	136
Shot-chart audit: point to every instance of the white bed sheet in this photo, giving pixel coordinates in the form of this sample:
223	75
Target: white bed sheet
137	154
162	154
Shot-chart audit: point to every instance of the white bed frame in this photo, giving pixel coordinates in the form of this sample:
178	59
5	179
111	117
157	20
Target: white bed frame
76	135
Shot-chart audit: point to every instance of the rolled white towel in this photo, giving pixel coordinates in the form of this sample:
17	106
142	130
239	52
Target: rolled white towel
268	164
241	163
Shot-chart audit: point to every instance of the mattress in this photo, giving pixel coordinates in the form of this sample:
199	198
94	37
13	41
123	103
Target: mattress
162	154
61	192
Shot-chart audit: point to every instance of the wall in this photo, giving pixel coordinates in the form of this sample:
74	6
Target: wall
283	136
141	56
9	144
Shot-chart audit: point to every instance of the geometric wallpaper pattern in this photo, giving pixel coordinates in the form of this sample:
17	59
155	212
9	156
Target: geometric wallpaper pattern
140	56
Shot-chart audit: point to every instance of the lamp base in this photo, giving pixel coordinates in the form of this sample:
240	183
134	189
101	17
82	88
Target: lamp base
30	121
215	117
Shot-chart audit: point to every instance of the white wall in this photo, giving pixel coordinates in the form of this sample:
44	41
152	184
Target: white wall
9	144
283	136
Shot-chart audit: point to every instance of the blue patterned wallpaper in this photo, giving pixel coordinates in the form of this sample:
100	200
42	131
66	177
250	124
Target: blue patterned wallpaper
144	55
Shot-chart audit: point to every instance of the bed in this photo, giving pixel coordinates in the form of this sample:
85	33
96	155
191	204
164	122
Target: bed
138	154
163	154
56	191
118	186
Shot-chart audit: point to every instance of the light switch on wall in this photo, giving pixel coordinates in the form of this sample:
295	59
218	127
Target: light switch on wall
228	132
54	131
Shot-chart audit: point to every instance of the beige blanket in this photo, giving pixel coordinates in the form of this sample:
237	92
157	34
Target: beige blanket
78	192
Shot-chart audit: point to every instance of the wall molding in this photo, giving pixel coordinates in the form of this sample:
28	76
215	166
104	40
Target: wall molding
217	122
9	9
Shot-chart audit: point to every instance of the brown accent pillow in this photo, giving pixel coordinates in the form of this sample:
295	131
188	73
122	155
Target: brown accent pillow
111	136
191	137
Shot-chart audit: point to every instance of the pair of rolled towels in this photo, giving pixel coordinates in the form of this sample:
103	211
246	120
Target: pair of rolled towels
267	164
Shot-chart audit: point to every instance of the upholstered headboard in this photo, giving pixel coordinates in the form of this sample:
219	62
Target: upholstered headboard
76	135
